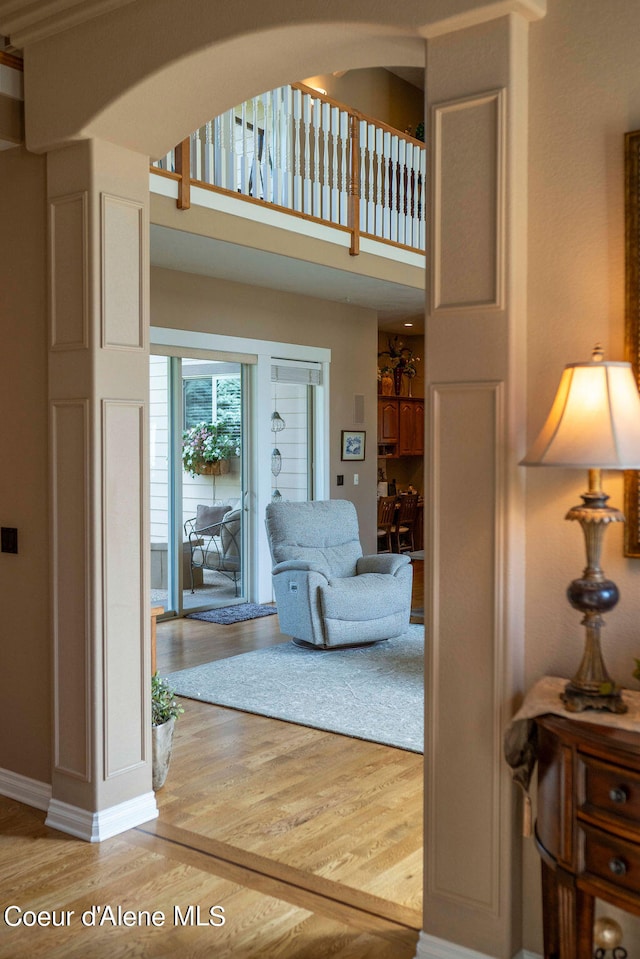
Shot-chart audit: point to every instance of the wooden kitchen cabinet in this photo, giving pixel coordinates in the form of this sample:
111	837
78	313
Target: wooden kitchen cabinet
400	426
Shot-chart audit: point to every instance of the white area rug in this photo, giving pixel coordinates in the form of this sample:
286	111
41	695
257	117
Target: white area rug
370	692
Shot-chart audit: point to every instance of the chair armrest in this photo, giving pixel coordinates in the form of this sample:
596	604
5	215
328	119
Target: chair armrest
302	565
382	563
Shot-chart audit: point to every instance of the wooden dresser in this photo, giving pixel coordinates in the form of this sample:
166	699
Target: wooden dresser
587	828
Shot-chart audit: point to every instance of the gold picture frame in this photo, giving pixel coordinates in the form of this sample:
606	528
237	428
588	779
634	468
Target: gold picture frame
632	321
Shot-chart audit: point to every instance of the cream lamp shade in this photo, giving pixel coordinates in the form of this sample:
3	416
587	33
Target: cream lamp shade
594	421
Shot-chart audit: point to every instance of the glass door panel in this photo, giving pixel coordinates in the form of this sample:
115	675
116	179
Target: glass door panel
160	488
212	483
197	527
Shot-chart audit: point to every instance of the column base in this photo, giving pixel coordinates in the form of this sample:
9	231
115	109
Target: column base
97	826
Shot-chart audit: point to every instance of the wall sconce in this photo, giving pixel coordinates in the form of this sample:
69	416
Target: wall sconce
594	424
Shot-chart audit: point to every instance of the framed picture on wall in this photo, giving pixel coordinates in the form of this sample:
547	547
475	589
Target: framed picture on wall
353	444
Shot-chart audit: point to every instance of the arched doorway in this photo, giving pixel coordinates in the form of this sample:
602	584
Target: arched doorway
126	109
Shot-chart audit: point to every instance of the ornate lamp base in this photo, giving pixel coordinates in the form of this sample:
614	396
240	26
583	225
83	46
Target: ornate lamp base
593	594
576	700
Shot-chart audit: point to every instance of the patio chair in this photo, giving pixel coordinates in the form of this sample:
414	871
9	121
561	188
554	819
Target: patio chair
204	535
328	594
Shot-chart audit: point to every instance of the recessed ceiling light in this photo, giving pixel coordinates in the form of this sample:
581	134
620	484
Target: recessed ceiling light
408	324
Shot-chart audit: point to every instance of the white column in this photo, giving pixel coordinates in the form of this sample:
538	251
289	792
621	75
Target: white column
98	400
475	341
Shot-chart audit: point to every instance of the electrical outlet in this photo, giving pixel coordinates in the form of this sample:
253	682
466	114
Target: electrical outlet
340	480
8	539
356	479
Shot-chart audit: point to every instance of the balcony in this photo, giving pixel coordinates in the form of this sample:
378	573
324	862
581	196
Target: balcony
297	152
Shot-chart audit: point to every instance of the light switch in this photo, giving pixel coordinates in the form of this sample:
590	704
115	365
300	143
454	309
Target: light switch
356	479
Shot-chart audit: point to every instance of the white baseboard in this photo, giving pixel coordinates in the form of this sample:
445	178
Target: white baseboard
429	947
97	826
31	792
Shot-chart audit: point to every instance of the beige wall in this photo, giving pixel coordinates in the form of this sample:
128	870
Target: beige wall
190	302
25	646
585	94
377	93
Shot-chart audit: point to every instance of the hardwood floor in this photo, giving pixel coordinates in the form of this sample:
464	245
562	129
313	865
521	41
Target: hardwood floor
311	842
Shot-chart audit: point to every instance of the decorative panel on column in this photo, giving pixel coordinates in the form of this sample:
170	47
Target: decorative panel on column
123	243
123	544
68	257
71	591
468	232
467	419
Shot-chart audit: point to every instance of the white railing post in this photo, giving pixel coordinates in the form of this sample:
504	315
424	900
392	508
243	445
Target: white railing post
297	150
344	168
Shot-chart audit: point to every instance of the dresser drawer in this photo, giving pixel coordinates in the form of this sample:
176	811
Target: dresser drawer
612	791
610	859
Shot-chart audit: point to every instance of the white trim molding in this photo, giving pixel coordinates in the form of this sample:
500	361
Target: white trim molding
430	947
97	826
31	792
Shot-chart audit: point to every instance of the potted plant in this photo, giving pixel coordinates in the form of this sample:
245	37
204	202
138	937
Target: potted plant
164	711
207	447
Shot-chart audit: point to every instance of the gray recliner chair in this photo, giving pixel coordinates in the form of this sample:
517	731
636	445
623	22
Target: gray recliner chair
328	594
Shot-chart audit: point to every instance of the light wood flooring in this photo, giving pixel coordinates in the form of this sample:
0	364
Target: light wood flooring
310	841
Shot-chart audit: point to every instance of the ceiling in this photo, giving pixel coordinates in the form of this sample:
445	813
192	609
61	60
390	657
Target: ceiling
395	303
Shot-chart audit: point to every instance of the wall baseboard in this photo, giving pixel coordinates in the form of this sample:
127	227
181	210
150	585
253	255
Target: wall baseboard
97	826
429	947
31	792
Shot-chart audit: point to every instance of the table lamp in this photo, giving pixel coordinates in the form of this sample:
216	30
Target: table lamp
594	423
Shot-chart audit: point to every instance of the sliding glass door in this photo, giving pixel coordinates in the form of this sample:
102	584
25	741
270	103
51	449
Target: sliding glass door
198	489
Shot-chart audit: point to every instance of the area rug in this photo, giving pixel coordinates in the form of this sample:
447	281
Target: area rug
234	614
369	692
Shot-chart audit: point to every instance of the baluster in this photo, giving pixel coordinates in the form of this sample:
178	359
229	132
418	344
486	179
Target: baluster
402	191
232	180
219	165
244	178
316	117
408	180
326	185
276	158
256	138
263	135
208	152
371	197
393	187
363	177
307	103
344	168
335	192
285	97
378	183
196	156
422	208
386	181
297	149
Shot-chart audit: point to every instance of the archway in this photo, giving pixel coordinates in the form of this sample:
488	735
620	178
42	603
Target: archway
113	107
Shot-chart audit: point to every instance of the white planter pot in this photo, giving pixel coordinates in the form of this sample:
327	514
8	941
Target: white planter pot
162	743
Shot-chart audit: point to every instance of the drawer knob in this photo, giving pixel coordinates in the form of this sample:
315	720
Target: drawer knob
618	794
618	866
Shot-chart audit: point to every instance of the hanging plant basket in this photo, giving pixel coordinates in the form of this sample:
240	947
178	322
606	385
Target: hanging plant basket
214	469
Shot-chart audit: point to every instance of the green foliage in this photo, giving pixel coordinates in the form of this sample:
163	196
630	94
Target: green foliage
163	703
209	443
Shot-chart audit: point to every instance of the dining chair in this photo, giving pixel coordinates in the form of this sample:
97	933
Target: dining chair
386	516
403	530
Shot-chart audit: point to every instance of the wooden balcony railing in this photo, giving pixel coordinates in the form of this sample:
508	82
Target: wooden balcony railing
301	152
